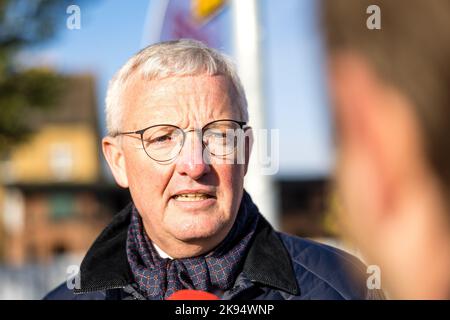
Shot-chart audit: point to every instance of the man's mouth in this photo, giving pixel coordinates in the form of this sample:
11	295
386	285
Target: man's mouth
192	197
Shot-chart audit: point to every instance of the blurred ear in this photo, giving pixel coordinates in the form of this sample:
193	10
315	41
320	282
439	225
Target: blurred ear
377	132
248	147
114	156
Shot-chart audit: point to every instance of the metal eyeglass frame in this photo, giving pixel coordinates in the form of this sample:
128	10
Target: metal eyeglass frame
242	126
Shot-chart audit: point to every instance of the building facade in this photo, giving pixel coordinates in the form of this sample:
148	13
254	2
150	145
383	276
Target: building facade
54	198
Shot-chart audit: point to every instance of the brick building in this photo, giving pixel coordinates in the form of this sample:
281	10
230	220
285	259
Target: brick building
53	196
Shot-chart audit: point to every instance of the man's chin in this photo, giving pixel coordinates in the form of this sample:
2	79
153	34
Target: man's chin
197	231
194	236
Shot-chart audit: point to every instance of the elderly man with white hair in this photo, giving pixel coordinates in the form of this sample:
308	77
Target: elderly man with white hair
178	139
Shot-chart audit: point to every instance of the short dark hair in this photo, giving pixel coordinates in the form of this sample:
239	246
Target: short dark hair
411	51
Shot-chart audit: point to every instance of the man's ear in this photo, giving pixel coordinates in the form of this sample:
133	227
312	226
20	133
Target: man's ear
249	139
113	153
375	131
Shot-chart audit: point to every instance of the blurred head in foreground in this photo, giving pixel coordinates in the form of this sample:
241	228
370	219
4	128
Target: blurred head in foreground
390	89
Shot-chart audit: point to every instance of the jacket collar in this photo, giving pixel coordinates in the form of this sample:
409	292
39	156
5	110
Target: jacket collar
277	270
105	265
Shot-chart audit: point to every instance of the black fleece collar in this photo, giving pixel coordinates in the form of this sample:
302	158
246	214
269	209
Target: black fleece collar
105	265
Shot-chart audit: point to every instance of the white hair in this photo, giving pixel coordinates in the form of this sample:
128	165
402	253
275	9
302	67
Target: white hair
170	59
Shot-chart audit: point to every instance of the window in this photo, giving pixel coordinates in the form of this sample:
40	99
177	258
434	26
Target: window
61	161
62	205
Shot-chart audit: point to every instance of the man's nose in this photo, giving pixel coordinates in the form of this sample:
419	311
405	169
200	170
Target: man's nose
190	162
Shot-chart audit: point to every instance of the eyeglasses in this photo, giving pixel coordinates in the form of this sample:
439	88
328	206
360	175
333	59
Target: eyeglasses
164	142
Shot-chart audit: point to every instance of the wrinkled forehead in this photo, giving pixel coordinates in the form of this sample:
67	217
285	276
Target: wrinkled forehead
174	98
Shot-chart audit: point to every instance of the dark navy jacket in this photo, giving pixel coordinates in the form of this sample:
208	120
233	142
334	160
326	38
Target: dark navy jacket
277	267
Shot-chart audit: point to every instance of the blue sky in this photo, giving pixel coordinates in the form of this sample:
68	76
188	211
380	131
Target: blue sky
113	30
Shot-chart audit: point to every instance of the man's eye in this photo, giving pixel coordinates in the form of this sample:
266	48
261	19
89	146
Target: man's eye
219	134
220	138
160	140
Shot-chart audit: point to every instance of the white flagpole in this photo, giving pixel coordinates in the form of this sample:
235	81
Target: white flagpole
247	39
156	11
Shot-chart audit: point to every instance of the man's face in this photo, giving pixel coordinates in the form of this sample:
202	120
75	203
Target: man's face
190	103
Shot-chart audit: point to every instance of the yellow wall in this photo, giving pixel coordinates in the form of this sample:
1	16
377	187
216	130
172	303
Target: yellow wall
31	162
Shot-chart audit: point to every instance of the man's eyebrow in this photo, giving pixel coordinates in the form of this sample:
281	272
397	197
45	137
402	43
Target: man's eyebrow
161	123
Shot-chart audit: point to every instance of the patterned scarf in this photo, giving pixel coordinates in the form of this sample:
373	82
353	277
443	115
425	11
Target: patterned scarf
158	278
